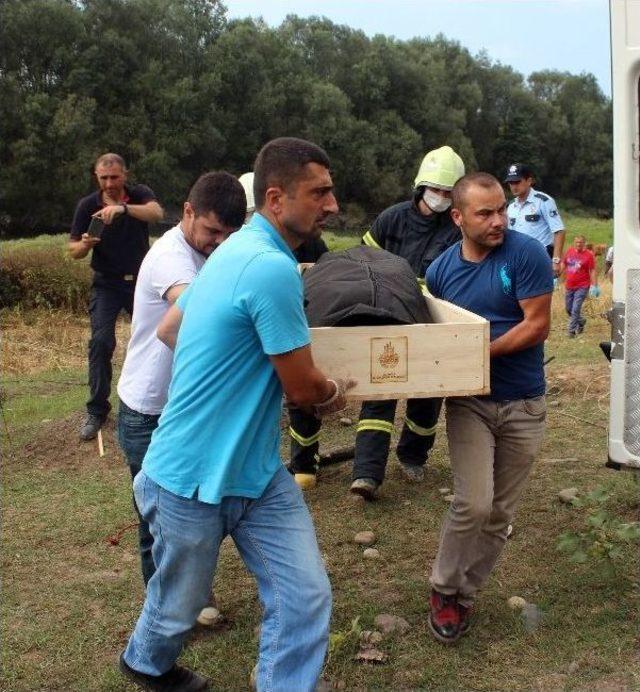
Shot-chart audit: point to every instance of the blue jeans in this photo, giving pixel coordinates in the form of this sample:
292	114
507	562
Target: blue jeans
573	299
134	436
275	537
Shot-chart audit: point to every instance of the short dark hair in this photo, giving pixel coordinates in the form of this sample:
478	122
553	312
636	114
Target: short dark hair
461	188
110	159
221	193
280	163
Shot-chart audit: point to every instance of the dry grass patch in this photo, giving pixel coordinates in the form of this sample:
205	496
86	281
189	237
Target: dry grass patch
37	341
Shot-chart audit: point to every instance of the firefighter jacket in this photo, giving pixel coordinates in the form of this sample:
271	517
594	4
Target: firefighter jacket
404	231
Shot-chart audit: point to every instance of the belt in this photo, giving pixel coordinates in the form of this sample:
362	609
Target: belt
117	277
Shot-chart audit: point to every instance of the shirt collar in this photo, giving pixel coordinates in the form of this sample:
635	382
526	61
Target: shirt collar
125	197
528	200
259	222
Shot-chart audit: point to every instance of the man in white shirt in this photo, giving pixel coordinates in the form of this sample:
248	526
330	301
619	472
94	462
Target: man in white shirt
214	209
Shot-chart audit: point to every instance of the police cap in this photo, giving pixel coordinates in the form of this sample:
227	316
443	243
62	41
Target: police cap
518	171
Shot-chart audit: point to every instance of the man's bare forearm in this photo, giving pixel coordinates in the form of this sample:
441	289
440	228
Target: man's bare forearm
78	249
558	243
151	212
526	334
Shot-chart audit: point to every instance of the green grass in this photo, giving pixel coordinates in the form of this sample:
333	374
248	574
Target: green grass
70	598
595	230
39	242
32	400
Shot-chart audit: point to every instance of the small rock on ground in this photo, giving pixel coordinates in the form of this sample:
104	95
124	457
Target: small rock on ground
573	667
371	656
371	553
365	538
444	491
346	421
567	495
516	603
389	624
449	498
370	638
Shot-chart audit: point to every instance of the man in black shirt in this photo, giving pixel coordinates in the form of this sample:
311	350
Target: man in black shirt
117	252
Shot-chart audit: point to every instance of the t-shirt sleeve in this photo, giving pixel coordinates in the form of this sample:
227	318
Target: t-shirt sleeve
534	271
81	220
432	279
141	194
270	289
552	215
171	270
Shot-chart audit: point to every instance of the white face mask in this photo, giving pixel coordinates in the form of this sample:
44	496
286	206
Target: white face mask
435	202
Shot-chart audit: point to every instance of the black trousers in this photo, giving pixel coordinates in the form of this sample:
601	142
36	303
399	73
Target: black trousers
373	437
108	297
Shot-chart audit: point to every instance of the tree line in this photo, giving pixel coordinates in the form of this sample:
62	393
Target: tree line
177	88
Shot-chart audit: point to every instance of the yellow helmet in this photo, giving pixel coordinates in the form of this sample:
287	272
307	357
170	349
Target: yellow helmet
440	168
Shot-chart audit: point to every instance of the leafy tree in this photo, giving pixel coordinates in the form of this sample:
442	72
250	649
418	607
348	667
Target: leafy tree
178	89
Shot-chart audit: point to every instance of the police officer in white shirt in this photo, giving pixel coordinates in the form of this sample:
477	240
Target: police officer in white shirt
534	213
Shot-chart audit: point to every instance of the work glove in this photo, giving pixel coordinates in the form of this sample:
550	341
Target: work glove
594	291
337	401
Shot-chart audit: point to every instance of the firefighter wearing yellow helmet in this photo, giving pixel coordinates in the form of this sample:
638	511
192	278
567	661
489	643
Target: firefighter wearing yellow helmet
419	230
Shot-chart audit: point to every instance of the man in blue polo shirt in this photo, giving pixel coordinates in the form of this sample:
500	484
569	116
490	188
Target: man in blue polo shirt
534	213
213	467
505	277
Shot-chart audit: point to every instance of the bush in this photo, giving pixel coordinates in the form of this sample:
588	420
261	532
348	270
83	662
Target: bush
43	275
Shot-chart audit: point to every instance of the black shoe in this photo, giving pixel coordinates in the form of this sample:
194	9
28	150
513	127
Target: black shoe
91	426
581	323
178	679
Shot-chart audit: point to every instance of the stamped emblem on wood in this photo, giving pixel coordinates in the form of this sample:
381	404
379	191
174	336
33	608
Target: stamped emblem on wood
389	359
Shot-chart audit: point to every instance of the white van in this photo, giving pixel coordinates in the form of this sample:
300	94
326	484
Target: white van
624	417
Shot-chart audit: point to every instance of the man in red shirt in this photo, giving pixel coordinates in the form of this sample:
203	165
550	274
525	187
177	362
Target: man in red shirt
579	266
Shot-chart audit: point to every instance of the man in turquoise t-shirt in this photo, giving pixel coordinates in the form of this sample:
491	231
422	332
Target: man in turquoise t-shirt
213	467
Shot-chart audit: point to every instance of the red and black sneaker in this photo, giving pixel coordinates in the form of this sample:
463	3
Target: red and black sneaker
444	618
465	618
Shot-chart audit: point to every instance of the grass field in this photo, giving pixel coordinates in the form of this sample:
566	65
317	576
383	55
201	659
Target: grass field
71	596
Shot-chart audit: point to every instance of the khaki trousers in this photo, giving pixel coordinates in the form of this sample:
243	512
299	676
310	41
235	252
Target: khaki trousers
492	446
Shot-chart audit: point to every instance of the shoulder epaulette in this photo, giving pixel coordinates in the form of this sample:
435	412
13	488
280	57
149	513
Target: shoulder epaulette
540	195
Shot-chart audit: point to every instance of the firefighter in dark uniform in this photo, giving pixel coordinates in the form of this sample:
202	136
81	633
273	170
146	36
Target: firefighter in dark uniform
126	212
418	230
